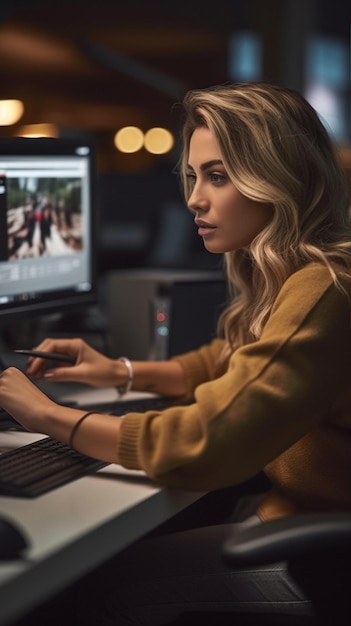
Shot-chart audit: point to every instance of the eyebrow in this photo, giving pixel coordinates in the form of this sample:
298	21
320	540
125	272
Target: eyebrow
205	166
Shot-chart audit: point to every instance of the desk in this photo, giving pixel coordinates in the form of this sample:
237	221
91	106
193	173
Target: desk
76	527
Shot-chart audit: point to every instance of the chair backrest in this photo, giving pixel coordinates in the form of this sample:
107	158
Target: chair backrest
317	548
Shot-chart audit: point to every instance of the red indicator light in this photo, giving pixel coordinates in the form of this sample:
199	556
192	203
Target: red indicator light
160	317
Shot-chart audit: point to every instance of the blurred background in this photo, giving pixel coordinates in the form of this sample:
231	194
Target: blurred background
95	68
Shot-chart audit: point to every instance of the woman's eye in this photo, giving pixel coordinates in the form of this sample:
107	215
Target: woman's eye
217	178
191	179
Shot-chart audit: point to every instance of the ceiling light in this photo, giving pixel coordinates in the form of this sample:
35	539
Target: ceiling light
129	139
158	140
38	130
10	112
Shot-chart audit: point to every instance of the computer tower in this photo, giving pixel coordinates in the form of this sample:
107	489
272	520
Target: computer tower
156	314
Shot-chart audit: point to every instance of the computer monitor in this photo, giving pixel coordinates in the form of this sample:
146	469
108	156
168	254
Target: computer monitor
47	211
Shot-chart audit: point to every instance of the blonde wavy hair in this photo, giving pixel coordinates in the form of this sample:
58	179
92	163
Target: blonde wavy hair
275	150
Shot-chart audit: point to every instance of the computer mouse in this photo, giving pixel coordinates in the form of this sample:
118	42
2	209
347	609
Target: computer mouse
12	540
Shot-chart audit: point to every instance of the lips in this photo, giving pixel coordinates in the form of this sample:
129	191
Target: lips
204	228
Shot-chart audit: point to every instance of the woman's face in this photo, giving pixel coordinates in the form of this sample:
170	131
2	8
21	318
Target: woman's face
226	219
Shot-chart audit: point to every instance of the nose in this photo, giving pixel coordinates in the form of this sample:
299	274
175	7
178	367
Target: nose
197	201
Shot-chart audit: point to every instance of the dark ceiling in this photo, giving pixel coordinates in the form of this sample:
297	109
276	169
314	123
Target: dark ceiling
94	67
100	65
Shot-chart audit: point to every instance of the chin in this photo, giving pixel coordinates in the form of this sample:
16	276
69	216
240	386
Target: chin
213	250
217	249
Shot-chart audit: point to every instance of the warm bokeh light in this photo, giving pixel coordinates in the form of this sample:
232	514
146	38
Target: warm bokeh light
129	139
38	130
158	140
10	112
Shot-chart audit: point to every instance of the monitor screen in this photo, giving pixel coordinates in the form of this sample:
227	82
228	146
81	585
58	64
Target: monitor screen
46	225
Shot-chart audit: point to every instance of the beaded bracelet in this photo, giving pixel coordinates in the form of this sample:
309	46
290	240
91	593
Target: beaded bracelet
122	390
76	426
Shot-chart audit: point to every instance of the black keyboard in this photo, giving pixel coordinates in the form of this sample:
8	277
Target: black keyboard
43	465
40	466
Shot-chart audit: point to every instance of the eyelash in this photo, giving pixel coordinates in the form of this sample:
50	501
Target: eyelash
214	177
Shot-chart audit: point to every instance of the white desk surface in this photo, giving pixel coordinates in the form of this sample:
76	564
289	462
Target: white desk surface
78	526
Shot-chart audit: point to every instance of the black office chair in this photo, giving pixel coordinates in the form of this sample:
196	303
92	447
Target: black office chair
317	548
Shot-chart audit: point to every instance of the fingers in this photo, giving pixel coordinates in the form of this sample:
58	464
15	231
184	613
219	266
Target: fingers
60	374
37	366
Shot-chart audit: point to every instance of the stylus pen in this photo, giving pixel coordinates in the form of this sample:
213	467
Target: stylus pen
52	356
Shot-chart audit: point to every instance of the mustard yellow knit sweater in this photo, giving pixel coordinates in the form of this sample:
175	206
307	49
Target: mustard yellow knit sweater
282	405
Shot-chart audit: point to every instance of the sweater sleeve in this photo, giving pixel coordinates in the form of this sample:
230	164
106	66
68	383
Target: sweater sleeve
274	391
201	365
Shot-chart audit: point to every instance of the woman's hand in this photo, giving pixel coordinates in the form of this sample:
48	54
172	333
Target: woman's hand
96	436
91	367
23	400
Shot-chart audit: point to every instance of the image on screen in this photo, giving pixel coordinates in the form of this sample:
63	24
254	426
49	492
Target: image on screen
44	217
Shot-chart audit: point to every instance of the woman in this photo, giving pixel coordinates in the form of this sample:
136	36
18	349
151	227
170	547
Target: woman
270	393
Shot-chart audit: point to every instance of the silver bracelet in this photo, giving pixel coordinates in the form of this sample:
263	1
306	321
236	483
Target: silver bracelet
123	390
